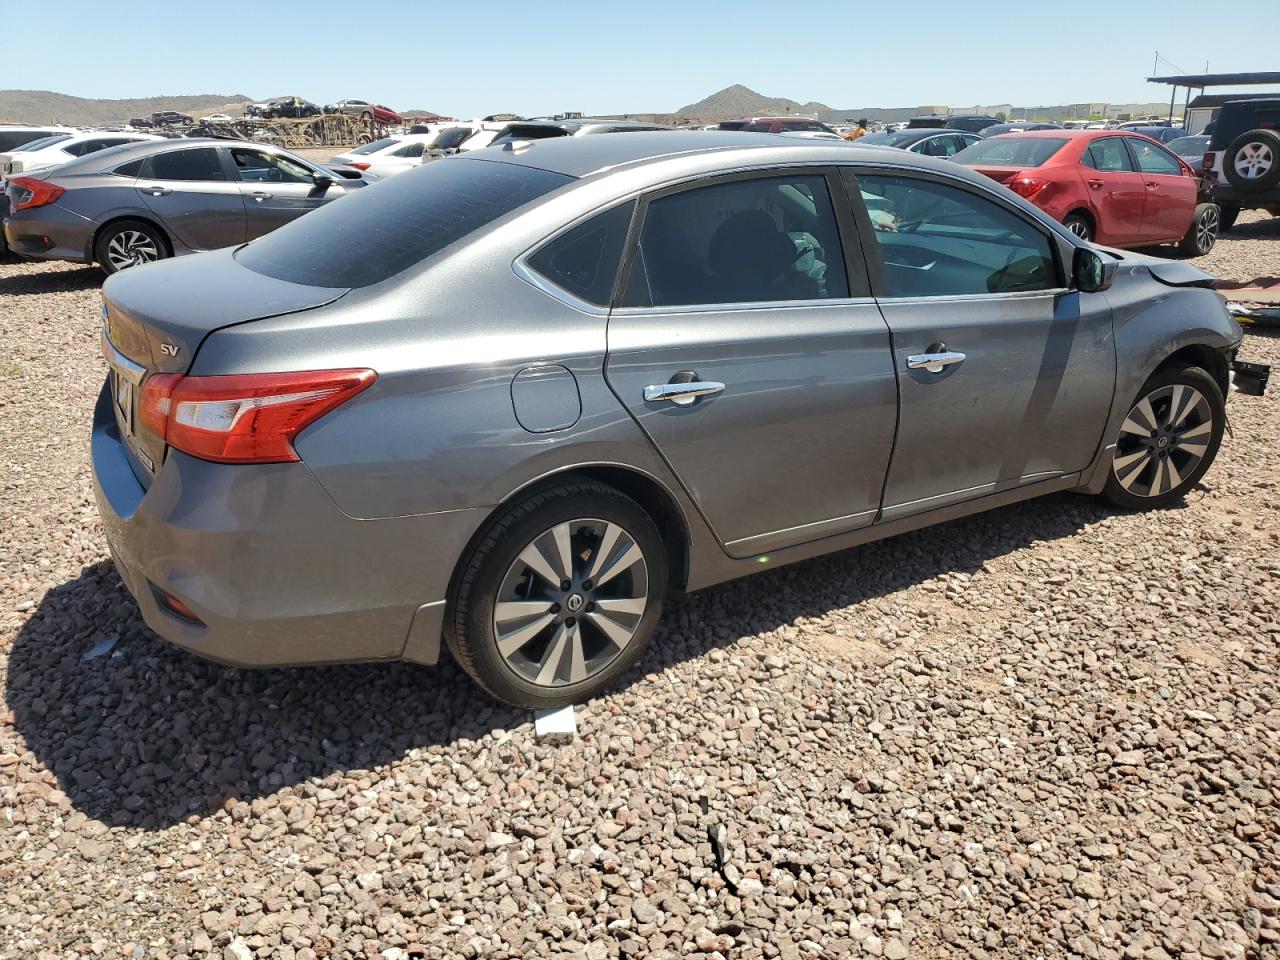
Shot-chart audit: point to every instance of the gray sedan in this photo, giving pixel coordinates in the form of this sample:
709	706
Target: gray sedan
150	201
510	400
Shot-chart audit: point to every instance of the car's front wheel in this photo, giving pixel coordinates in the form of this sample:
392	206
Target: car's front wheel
560	596
1168	440
129	243
1203	232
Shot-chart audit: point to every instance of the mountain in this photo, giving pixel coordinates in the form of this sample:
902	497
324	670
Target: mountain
45	106
740	101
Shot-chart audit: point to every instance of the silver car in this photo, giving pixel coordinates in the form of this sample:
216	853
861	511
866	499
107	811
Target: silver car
508	401
149	201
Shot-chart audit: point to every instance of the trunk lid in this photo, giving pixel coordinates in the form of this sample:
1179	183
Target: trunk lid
155	318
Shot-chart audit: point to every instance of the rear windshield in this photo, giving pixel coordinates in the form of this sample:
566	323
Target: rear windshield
9	139
889	139
451	138
376	145
42	143
1189	146
1011	151
385	228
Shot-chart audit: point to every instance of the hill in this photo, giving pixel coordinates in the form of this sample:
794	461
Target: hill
740	101
45	106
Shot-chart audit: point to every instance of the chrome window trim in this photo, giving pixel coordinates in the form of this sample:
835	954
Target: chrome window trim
984	297
119	362
743	307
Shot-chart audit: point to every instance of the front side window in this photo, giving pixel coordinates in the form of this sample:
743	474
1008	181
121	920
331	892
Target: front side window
200	163
585	260
380	231
761	239
938	240
255	166
1108	155
1152	159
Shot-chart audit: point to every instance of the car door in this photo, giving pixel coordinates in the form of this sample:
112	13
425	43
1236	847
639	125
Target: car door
747	348
1171	194
276	189
1005	375
1116	191
195	198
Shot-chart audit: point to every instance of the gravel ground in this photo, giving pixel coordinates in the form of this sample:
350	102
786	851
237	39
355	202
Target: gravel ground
1051	730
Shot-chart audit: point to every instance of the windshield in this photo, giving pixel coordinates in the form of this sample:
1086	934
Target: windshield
42	143
451	138
1011	151
388	227
890	139
375	146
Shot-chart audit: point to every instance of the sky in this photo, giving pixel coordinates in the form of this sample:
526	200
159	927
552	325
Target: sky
488	56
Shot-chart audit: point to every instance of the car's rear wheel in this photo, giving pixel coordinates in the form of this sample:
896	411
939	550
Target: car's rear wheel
1080	225
1203	232
560	597
1252	162
129	243
1227	218
1168	440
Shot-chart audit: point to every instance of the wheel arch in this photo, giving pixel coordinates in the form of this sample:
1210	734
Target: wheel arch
91	246
1087	213
1212	361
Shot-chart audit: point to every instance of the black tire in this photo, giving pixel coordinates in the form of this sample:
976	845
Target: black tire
1080	225
1145	461
1262	149
488	571
1203	232
1227	218
155	247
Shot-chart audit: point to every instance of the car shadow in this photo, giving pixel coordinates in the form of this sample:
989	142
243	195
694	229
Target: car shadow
52	281
145	735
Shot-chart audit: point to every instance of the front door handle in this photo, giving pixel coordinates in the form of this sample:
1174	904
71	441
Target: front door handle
157	191
936	360
681	394
1096	184
260	195
1153	184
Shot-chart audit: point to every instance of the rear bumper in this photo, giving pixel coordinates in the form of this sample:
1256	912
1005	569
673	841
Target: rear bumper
49	233
276	574
1224	194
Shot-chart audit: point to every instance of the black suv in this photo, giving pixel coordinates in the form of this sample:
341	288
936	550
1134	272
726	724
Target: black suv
1243	159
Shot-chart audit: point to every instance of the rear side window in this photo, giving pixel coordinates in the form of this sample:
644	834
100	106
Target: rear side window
1108	155
131	169
1010	151
584	260
380	230
200	163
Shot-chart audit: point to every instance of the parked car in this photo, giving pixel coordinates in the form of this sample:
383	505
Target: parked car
1112	187
502	133
929	142
169	118
363	108
149	201
1192	151
972	122
1015	126
789	125
217	118
1161	134
14	135
62	148
392	155
1243	159
927	121
575	435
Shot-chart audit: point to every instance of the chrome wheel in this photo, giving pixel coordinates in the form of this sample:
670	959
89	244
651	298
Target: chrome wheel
1079	228
1253	160
1207	229
128	248
1163	440
571	602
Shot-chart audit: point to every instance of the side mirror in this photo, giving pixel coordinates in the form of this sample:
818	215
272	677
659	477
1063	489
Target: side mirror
321	180
1091	271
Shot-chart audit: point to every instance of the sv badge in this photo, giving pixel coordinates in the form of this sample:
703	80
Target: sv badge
169	349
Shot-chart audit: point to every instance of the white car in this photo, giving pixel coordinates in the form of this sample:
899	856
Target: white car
392	155
61	148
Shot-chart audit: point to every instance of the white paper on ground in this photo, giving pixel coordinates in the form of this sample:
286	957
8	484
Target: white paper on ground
555	722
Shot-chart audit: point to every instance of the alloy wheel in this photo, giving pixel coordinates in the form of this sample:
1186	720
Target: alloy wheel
1163	440
571	602
1207	229
1253	160
128	248
1079	228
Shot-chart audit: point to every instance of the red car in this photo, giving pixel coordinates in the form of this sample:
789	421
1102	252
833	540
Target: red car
1112	187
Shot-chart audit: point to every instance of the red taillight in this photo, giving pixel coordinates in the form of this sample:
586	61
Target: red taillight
1206	165
36	193
359	166
244	418
1028	187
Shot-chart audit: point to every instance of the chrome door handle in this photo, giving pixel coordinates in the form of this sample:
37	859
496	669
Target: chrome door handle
157	191
260	196
681	394
934	362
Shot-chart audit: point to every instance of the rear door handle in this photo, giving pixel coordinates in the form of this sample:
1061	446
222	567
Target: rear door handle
1096	184
934	362
681	394
260	195
1153	184
157	191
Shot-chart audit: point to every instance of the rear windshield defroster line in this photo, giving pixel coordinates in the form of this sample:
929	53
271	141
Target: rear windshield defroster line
387	227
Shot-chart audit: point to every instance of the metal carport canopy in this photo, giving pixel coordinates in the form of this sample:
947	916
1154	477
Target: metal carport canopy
1202	80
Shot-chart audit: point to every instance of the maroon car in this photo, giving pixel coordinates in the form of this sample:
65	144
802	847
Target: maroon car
363	108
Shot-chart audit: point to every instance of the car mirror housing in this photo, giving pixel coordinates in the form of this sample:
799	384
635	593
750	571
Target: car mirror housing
321	179
1091	271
